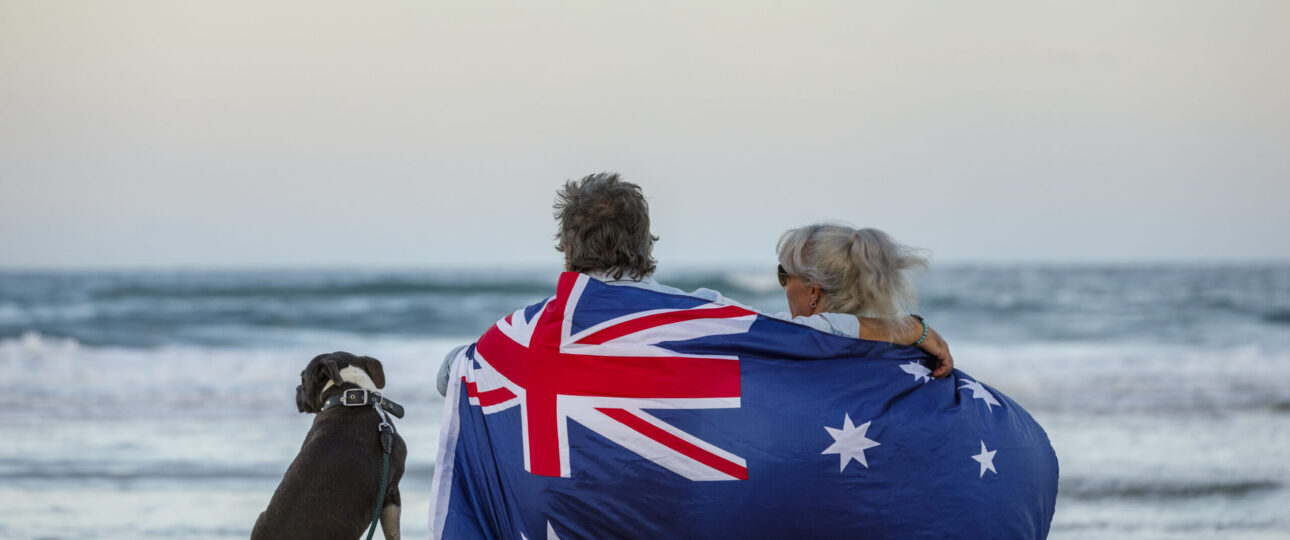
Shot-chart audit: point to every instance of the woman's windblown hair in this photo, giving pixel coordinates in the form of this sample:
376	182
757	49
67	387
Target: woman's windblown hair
862	271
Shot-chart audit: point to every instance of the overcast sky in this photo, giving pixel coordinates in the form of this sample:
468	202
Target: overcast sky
396	134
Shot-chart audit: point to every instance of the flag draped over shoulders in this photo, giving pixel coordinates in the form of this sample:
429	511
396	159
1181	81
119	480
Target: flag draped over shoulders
618	412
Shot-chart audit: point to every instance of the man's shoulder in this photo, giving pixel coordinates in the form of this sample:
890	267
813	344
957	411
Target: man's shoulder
649	283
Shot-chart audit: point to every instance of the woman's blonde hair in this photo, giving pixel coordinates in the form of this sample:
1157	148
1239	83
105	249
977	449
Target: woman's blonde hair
861	271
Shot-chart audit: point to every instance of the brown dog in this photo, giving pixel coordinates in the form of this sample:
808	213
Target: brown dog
331	488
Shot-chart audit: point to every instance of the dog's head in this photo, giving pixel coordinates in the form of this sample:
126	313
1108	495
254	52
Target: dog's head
338	367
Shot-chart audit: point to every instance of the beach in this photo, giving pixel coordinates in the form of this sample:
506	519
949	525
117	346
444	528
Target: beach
160	404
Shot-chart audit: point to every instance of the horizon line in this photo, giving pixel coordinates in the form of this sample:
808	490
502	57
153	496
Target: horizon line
684	266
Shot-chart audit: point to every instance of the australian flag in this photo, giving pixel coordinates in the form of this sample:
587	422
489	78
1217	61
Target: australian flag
619	412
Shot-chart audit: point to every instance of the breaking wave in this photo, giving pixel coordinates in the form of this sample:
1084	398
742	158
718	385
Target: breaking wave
1170	490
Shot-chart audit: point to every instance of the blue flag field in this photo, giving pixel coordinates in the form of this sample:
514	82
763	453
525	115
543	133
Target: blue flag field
618	412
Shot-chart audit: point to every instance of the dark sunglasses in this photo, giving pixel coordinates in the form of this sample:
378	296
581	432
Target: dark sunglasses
783	276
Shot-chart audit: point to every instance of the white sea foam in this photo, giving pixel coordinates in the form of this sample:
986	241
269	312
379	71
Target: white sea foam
58	377
1105	377
34	344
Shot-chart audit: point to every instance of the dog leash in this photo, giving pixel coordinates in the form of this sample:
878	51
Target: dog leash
358	397
387	440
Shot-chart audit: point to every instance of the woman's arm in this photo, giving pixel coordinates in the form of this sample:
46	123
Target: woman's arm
903	332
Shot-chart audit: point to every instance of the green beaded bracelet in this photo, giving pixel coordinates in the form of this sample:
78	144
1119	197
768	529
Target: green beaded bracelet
924	323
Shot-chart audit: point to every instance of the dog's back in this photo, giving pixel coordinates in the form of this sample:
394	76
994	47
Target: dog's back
331	488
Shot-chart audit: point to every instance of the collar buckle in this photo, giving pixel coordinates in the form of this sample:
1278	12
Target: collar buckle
355	397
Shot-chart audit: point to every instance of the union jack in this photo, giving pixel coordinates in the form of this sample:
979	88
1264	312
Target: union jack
605	377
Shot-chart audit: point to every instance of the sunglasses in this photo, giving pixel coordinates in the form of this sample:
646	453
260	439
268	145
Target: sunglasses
783	276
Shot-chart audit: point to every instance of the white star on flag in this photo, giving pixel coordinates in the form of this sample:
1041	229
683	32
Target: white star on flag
918	370
979	392
986	459
550	533
850	442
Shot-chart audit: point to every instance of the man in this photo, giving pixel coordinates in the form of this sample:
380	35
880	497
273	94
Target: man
624	408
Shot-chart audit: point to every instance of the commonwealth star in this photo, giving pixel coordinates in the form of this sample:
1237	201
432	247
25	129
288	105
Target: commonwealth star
850	442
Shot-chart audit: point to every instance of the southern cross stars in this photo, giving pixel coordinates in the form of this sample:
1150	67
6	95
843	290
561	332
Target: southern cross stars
550	533
986	459
918	370
849	442
979	392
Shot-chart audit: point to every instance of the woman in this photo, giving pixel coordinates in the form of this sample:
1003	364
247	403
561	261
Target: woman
854	283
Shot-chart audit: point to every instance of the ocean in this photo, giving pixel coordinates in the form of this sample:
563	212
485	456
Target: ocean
160	404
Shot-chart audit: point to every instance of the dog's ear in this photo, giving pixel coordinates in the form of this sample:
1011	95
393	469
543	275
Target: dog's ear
333	369
311	383
374	370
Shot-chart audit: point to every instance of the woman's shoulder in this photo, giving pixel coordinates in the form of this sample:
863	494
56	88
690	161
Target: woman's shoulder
838	324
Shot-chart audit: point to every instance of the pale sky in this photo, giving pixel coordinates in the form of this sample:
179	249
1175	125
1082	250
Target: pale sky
409	134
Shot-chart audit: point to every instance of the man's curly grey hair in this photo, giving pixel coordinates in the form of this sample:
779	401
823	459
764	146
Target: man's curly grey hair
604	227
861	271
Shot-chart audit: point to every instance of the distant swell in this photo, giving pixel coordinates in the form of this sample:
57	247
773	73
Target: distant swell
1209	307
1277	317
187	472
396	288
1162	490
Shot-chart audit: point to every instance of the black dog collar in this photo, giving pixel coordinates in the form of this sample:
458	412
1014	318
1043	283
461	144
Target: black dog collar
360	397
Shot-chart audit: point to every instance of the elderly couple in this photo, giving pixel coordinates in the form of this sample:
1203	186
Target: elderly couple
844	281
623	408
